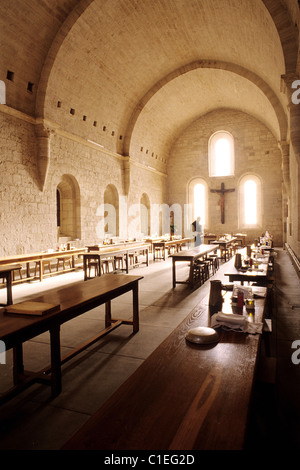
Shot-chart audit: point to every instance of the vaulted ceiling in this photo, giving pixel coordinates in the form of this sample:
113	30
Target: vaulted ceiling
132	74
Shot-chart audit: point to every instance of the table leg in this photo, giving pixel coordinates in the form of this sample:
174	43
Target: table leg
41	270
107	314
173	273
9	287
56	382
28	269
85	268
135	301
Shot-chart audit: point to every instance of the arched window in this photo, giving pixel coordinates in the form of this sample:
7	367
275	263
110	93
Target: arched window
221	154
198	200
250	201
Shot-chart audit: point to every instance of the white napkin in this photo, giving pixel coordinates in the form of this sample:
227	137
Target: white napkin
231	321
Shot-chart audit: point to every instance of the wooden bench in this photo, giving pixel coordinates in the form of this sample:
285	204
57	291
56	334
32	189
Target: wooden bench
74	300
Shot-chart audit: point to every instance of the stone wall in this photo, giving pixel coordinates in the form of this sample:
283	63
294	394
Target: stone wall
28	215
256	152
293	221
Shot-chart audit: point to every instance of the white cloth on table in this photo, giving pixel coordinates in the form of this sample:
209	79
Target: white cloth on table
231	321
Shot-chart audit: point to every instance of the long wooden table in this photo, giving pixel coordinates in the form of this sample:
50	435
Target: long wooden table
103	254
39	258
190	256
74	300
164	244
184	396
224	245
250	274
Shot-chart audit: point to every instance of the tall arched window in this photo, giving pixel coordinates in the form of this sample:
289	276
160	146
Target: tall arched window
250	201
221	154
199	202
197	199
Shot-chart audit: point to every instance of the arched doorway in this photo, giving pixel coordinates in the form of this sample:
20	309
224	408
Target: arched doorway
111	211
68	208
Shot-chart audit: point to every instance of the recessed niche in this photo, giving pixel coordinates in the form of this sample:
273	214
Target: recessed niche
95	123
84	118
59	104
113	133
121	137
104	128
10	75
72	111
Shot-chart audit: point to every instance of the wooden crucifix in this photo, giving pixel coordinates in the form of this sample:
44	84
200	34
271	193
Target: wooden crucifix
221	202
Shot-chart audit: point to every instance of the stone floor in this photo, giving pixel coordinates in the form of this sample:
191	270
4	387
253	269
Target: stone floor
35	421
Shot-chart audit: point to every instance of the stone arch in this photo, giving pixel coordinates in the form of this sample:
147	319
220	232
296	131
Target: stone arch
287	32
68	208
211	64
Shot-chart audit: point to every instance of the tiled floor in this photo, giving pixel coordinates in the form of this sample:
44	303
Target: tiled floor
35	421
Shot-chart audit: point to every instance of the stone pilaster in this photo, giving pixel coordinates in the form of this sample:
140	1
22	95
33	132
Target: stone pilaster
43	135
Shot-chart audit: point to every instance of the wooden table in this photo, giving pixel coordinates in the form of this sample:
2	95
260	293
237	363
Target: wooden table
39	257
74	300
252	274
190	256
183	397
111	252
6	273
164	244
241	238
100	246
224	244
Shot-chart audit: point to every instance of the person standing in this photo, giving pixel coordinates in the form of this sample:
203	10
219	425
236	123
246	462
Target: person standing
197	229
